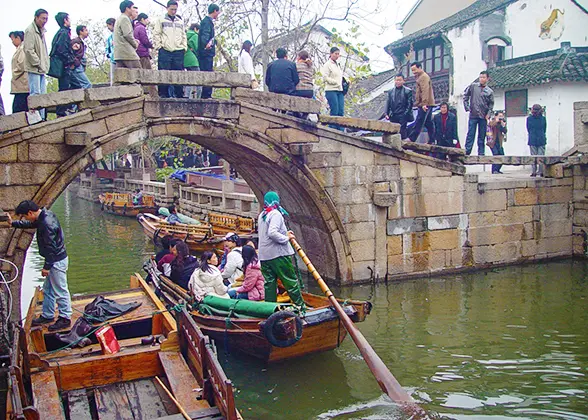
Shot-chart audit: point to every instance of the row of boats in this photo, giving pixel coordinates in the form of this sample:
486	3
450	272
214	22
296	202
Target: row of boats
166	366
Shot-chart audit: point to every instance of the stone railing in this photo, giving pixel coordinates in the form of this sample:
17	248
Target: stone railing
198	202
162	191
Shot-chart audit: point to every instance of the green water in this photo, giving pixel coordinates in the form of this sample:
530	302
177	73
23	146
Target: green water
506	343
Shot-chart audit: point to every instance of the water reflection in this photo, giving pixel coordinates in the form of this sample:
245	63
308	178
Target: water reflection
506	343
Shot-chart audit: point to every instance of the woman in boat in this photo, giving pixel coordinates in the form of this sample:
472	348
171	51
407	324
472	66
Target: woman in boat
275	251
183	265
166	247
232	270
253	282
207	280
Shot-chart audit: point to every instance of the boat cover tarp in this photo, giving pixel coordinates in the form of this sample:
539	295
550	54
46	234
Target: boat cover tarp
163	211
239	308
98	311
180	174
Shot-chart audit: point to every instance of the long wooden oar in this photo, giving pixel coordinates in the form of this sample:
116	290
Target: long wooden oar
387	381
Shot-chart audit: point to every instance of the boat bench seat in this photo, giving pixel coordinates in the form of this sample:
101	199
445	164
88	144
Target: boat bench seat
182	382
46	396
212	413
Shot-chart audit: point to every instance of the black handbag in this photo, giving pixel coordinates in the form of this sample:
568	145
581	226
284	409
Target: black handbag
345	85
55	67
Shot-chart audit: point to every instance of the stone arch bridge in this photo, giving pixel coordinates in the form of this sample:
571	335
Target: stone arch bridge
341	191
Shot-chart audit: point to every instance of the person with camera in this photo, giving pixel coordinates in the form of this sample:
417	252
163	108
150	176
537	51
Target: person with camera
497	137
399	105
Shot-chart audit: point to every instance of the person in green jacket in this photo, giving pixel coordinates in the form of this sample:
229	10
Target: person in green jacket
191	60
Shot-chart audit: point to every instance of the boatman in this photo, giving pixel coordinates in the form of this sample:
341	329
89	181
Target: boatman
275	251
52	248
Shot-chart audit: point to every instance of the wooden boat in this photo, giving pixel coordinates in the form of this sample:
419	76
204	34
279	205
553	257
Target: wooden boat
47	381
122	204
199	238
321	328
225	223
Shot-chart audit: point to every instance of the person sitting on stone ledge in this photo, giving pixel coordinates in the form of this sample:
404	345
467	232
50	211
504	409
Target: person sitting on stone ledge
281	75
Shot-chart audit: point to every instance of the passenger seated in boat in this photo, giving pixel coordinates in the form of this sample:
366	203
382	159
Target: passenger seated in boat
173	217
233	269
183	265
165	244
253	282
208	280
138	197
164	264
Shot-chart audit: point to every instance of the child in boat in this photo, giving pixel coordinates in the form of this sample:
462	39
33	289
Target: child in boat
183	265
253	283
275	251
208	280
164	264
232	270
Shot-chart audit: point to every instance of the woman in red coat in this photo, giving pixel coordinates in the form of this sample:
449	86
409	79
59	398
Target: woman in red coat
253	282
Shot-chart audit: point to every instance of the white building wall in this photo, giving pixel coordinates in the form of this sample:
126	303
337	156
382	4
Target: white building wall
524	20
467	65
558	99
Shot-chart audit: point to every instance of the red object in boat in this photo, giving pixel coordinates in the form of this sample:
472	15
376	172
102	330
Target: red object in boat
107	340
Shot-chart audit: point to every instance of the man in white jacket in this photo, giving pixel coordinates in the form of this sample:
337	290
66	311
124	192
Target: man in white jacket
233	269
169	39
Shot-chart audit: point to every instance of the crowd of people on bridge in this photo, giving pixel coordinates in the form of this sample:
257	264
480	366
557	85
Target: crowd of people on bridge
441	128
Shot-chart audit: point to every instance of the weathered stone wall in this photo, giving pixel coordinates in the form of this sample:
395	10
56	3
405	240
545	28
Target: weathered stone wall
580	218
442	222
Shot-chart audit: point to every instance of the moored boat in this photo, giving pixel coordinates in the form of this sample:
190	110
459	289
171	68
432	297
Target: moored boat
321	329
161	369
122	204
199	238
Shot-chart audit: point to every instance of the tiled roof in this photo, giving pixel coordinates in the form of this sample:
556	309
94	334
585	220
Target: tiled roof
372	110
372	82
463	17
563	65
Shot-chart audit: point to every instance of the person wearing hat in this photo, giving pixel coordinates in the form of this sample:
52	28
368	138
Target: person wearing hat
233	269
275	251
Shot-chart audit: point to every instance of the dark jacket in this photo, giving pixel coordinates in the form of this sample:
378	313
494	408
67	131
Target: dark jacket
140	34
478	100
61	47
181	276
282	76
537	129
49	236
80	59
205	34
404	106
445	137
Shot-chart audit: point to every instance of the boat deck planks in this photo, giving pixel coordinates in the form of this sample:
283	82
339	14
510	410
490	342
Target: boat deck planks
182	382
145	400
113	403
46	395
79	406
212	413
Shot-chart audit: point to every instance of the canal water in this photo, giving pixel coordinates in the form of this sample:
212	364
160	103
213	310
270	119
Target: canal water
499	344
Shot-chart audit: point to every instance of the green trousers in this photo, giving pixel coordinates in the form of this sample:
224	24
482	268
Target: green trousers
283	269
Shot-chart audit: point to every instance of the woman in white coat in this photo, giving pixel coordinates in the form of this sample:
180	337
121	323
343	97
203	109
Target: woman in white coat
246	63
207	279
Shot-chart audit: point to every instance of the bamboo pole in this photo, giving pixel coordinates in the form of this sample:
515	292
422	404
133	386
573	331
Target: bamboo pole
169	394
386	380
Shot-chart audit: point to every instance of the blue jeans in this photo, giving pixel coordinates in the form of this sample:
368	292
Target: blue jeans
234	295
170	60
336	101
37	86
480	124
193	92
497	150
55	290
79	80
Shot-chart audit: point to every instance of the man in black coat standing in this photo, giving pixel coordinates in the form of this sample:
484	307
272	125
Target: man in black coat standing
61	48
445	128
207	45
281	75
399	105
